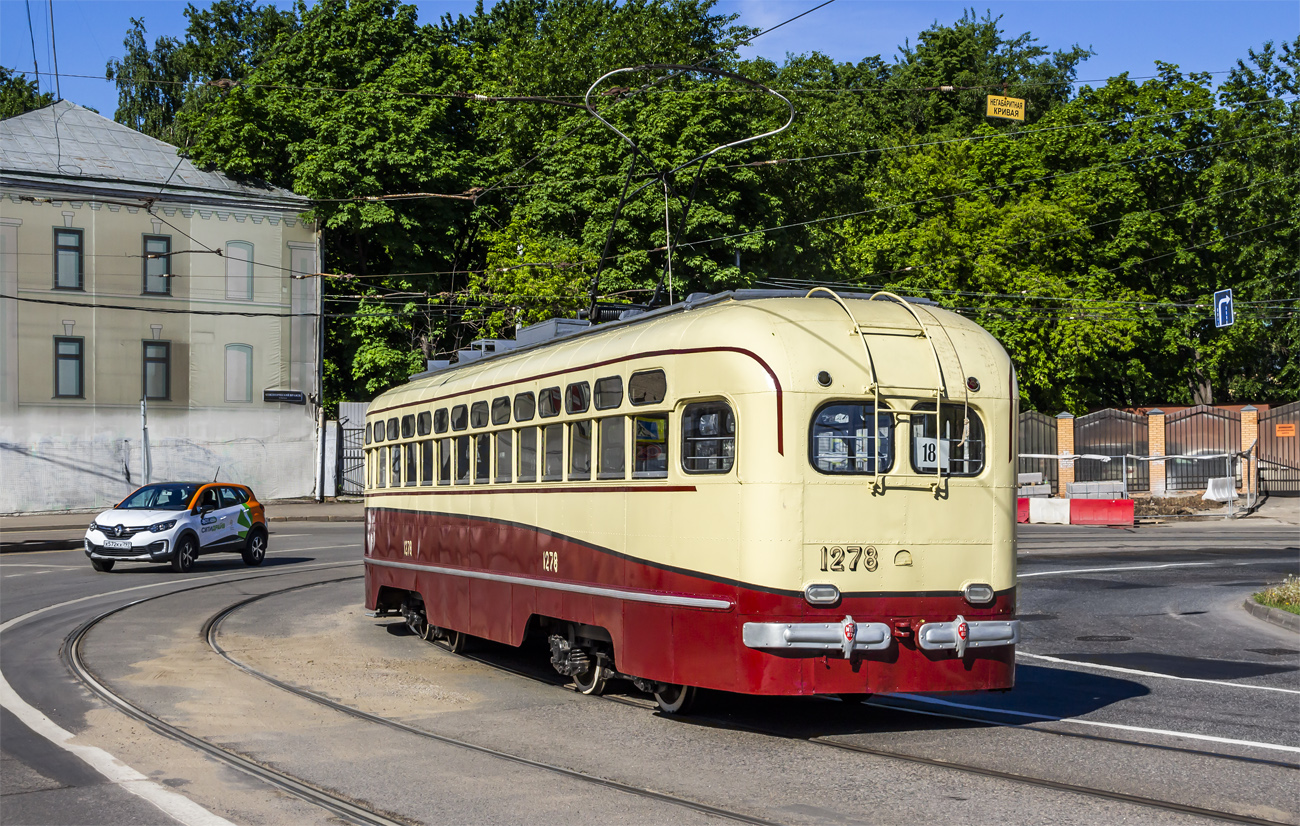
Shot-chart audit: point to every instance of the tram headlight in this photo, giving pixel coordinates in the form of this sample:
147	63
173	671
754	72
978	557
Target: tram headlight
977	593
821	594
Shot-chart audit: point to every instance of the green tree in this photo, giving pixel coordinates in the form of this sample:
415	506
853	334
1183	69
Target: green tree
18	95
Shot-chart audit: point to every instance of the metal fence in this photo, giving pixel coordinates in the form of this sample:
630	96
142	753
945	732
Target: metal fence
350	479
1201	431
1112	433
1038	435
1278	450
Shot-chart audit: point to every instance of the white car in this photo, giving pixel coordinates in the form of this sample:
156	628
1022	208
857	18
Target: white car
176	522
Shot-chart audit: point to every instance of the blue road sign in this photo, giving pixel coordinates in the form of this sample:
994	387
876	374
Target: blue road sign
1223	315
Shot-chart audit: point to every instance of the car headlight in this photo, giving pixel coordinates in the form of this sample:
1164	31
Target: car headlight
163	526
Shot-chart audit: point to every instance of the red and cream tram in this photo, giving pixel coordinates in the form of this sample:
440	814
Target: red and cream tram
756	492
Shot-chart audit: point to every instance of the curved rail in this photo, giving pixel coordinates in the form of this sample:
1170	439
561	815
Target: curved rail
335	804
210	633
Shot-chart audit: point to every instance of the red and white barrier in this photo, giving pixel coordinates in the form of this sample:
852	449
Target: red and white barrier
1075	511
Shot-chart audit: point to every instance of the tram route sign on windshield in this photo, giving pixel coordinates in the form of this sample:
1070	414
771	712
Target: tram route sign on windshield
1223	315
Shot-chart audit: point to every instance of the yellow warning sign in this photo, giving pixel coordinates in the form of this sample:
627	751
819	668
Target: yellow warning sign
1004	107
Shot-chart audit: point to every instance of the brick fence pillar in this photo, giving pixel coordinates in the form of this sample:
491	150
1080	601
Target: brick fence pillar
1156	447
1064	447
1249	434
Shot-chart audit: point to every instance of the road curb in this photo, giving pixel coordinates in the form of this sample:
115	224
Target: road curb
72	544
1277	616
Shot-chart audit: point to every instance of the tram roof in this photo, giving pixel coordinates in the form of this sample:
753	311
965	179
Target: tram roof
694	301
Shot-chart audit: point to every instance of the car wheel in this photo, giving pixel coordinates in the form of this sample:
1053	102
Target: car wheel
255	549
102	565
185	554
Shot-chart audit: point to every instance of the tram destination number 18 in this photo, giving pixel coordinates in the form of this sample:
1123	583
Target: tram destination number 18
833	557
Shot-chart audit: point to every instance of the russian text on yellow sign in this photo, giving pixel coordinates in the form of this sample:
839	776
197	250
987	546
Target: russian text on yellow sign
1004	107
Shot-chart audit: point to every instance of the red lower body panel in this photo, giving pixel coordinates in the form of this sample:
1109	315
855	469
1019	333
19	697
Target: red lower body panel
665	642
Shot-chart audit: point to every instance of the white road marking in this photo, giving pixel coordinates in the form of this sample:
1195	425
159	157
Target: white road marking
1097	723
4	565
169	802
1148	567
26	573
1138	673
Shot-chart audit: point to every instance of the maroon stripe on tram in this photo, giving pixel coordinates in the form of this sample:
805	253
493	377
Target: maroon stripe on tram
780	428
565	489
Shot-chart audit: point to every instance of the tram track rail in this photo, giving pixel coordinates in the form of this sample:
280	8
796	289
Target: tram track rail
356	813
212	627
336	804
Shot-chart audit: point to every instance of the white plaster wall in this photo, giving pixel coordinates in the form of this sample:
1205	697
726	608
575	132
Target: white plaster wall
57	460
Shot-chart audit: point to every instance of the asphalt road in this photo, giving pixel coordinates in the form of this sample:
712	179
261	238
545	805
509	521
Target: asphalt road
1139	675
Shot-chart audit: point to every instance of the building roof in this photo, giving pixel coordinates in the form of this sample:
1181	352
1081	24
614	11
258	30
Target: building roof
66	147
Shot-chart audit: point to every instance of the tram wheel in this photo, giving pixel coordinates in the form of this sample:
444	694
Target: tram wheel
675	699
592	681
454	641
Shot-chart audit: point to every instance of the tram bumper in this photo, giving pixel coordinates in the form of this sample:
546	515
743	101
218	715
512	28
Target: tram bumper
850	637
846	636
961	634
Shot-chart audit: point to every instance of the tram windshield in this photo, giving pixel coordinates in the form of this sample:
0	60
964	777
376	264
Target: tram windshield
842	436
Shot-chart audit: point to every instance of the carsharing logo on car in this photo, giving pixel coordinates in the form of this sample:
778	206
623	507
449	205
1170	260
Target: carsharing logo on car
245	521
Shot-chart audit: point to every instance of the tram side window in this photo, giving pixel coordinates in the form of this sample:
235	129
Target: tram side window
650	447
482	458
395	452
613	448
408	426
478	414
577	397
708	438
501	410
444	461
609	392
409	449
841	438
367	434
440	421
379	431
553	453
462	460
426	462
648	387
392	428
548	402
525	407
505	454
424	423
580	450
528	454
381	467
946	443
459	417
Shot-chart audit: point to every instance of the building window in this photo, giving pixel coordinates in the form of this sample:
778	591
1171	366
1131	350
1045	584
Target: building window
157	370
239	373
68	260
239	270
69	368
157	264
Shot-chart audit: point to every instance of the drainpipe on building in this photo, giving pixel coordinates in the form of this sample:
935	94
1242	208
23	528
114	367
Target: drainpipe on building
146	459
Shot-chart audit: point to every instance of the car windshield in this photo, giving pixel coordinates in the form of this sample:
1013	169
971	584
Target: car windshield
173	497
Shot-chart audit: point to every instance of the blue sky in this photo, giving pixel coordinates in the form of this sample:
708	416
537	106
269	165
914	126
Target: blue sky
1128	35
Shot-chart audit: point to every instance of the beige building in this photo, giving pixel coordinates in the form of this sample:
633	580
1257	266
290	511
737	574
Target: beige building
129	274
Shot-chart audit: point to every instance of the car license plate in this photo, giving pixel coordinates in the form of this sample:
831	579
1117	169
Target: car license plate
117	544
